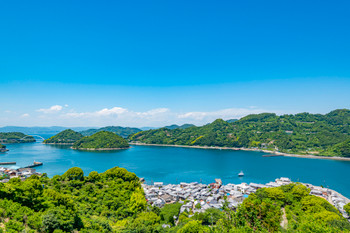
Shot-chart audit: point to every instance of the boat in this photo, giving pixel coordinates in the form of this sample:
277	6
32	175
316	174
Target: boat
241	174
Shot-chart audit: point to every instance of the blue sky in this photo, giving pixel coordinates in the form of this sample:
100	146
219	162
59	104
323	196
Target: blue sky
152	63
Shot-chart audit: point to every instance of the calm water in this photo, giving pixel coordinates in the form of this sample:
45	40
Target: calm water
174	165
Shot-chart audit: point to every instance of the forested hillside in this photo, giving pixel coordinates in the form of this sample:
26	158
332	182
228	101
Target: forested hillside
300	133
121	131
67	136
101	141
113	201
15	137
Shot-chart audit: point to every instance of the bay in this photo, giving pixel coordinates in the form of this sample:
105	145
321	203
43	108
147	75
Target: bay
175	165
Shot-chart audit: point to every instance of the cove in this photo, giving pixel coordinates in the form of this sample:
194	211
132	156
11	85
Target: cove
175	165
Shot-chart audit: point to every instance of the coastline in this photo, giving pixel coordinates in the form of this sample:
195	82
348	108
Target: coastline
100	149
273	153
68	144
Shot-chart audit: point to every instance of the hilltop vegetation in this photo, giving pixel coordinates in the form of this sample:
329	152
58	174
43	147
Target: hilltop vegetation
121	131
301	133
101	141
184	126
113	201
15	137
67	136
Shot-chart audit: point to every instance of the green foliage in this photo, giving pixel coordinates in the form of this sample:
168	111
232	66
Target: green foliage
302	133
168	212
74	173
121	131
347	208
193	226
67	136
340	149
71	202
15	137
113	201
101	140
2	146
184	126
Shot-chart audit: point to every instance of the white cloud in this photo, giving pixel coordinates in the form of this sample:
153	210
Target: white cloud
230	113
112	111
156	117
52	109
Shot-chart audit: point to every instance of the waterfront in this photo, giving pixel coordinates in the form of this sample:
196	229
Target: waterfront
175	165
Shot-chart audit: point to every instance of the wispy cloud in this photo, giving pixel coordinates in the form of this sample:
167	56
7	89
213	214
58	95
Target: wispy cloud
52	109
230	113
154	117
157	117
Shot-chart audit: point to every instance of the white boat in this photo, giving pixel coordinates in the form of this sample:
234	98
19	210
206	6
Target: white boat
241	174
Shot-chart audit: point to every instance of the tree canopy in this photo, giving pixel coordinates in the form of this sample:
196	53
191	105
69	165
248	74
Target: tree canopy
113	201
121	131
101	140
15	137
67	136
302	133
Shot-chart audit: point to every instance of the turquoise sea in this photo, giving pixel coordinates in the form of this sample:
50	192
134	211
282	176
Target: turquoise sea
175	165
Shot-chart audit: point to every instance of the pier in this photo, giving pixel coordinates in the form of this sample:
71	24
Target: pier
7	163
35	164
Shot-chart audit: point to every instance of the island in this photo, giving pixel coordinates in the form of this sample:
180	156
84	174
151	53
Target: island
306	134
66	137
102	140
15	137
3	148
121	131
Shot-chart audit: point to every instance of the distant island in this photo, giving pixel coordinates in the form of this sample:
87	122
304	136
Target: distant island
303	133
102	140
66	137
3	148
121	131
184	126
15	137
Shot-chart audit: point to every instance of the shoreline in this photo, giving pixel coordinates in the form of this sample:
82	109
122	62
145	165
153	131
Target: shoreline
273	153
64	144
100	149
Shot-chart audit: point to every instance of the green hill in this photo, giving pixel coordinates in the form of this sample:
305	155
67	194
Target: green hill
121	131
101	141
15	137
2	148
301	133
184	126
113	201
67	136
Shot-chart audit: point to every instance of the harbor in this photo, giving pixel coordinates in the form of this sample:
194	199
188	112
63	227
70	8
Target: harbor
198	197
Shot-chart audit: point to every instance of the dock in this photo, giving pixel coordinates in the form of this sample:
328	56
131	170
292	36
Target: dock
35	164
7	163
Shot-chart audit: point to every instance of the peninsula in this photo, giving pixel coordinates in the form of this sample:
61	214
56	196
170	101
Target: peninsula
3	148
300	134
101	141
15	137
66	137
